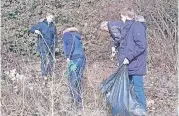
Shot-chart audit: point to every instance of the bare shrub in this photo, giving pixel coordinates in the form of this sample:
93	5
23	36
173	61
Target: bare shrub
23	92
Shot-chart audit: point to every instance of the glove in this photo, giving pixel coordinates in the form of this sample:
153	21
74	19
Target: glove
37	32
68	60
37	54
56	50
126	61
113	51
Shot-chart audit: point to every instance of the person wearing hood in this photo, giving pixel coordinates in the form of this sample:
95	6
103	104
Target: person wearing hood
47	43
74	53
129	37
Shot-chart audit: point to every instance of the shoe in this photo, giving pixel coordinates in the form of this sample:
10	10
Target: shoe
139	112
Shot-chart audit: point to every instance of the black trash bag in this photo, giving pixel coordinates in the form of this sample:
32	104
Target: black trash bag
120	94
135	108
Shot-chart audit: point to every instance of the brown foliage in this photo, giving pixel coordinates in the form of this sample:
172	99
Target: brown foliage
23	94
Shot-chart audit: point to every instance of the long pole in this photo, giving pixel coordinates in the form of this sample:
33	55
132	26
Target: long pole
53	74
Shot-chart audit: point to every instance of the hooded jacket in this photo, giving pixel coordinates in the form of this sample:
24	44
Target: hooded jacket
49	33
132	45
72	45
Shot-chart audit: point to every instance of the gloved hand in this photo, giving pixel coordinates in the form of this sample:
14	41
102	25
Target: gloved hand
126	61
56	50
38	54
113	53
37	32
68	60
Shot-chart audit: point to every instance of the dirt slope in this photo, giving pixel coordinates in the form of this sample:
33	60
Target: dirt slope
23	92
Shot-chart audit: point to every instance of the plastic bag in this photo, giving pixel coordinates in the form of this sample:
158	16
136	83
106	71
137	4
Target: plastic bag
120	94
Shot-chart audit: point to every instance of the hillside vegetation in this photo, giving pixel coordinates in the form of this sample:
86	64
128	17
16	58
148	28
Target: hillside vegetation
22	90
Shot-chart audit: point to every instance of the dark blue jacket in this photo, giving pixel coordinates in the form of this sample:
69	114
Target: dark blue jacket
132	45
49	33
72	45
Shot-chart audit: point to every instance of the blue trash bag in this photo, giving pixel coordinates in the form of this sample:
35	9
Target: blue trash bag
120	94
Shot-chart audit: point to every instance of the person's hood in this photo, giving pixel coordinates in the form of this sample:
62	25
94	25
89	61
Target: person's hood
73	33
141	19
71	29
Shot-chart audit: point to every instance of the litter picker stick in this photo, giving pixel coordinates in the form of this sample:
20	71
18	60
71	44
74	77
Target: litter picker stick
47	46
53	56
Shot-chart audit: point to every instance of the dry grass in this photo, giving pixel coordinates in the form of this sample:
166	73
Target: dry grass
23	92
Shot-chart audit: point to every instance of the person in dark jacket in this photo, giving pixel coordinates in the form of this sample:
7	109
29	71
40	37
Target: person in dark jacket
130	41
47	42
74	52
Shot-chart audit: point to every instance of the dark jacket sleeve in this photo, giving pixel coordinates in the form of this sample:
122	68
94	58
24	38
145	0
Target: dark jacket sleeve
140	41
35	27
68	44
114	30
